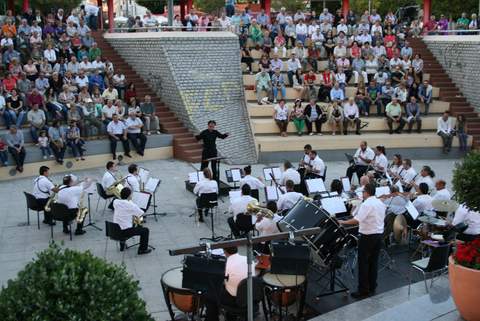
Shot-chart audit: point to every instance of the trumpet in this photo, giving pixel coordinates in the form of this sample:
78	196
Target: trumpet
116	188
52	198
254	208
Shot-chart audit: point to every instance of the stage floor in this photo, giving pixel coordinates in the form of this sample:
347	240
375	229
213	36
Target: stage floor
19	243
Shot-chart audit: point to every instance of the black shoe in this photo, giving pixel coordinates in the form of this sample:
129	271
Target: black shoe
114	157
66	231
358	133
359	295
80	232
122	246
141	252
200	219
128	155
390	132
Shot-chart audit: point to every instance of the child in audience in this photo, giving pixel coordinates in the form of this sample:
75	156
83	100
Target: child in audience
44	144
3	152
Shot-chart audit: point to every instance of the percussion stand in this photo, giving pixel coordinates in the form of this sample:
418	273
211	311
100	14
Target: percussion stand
90	222
334	280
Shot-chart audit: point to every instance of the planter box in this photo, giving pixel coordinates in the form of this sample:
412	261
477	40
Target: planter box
465	288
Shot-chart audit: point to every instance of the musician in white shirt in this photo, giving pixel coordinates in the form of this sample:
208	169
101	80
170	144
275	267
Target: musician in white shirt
471	218
69	194
380	162
442	193
423	202
287	200
370	218
397	165
42	190
362	159
290	174
408	175
109	178
133	180
239	206
253	182
426	176
205	186
117	131
124	212
316	168
445	129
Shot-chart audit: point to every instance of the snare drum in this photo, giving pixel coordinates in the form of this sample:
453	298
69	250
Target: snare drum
185	300
283	290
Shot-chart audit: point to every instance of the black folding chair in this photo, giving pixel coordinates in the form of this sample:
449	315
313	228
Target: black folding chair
60	212
255	194
102	195
114	233
239	310
209	202
324	175
33	205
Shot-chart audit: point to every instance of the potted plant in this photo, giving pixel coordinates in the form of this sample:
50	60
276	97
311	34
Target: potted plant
464	264
70	285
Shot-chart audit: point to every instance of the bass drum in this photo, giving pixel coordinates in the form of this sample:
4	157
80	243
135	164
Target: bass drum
304	214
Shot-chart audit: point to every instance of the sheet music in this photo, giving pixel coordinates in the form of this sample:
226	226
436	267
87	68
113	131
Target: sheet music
315	185
346	184
234	194
193	177
334	205
152	184
272	193
143	174
400	187
266	173
200	175
141	199
277	173
236	174
412	210
382	190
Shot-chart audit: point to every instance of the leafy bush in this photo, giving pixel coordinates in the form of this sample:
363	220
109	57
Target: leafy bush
71	285
466	178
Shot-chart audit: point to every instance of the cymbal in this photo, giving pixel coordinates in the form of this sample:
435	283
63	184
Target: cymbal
445	205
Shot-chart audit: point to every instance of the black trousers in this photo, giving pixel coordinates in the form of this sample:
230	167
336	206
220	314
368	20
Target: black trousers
138	230
72	215
206	154
212	303
42	202
18	157
318	125
368	252
359	169
467	237
57	151
138	141
401	124
113	144
346	122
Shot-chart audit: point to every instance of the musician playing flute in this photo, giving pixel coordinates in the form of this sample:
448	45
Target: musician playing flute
209	137
43	188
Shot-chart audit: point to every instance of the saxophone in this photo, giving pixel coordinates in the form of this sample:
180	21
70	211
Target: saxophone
52	198
137	221
116	188
82	210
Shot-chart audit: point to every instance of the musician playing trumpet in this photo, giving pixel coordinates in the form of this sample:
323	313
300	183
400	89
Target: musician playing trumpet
43	188
70	194
125	211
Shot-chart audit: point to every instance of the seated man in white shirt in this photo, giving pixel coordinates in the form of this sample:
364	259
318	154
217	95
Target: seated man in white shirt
408	175
241	221
132	180
470	218
124	212
287	200
290	174
316	168
255	183
236	270
134	132
442	193
362	158
42	190
423	202
117	131
267	225
445	129
205	186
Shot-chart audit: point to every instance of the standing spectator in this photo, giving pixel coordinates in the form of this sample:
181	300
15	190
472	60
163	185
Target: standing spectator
280	116
262	83
134	128
445	130
297	116
393	111
460	130
44	145
278	84
15	110
91	12
463	22
57	139
117	132
37	119
75	142
413	115
148	114
15	141
474	23
425	93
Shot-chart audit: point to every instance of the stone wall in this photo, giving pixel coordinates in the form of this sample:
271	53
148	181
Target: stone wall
198	76
459	56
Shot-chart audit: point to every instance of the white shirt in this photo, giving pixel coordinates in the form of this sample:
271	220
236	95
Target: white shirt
205	186
318	166
381	161
408	175
423	203
293	65
350	110
444	126
368	154
268	226
115	128
123	213
50	55
287	200
343	28
133	122
370	216
469	217
133	181
236	270
281	113
443	195
239	206
42	187
427	180
69	196
253	182
108	179
301	29
81	82
290	174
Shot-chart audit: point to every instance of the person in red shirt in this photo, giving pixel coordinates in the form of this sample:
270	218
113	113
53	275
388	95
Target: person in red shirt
9	83
309	90
326	85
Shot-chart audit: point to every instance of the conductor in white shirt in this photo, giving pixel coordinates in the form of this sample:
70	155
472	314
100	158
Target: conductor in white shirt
236	270
117	132
42	190
124	212
205	186
240	221
287	200
370	218
445	130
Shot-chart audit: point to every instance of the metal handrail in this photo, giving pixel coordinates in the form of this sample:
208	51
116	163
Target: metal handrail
458	32
169	28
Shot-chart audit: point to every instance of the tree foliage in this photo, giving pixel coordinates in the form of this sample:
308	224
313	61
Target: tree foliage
154	6
466	176
290	5
47	6
210	6
71	285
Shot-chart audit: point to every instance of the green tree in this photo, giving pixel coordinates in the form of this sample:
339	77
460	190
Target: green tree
210	6
466	176
155	6
290	5
71	285
46	6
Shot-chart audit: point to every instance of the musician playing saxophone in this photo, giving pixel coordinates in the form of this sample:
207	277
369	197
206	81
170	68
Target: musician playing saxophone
43	188
69	194
109	178
124	212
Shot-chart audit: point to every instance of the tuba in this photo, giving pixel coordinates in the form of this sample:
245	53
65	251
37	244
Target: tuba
254	208
116	188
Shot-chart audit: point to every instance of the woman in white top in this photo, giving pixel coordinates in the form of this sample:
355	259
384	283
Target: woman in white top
426	176
380	162
280	115
371	67
206	186
397	165
423	202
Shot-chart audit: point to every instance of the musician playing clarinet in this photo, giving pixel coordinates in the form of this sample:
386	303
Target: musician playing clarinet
362	159
209	136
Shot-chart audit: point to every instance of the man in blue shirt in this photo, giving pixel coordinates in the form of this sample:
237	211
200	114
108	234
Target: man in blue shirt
337	93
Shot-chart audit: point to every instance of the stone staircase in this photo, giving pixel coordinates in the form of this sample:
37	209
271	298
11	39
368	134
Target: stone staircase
185	146
448	90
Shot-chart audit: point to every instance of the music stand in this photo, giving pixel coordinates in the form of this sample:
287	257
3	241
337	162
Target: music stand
350	158
151	187
234	175
90	191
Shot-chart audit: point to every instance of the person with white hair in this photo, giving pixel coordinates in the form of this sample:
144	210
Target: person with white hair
134	132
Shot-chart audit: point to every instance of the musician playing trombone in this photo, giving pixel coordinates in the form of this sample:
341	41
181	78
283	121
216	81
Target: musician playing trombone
124	213
43	188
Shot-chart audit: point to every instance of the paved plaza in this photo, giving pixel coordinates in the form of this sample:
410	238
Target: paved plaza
19	243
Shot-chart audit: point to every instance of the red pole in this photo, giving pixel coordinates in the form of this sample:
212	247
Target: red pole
345	8
26	5
427	9
111	23
267	7
182	9
189	5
